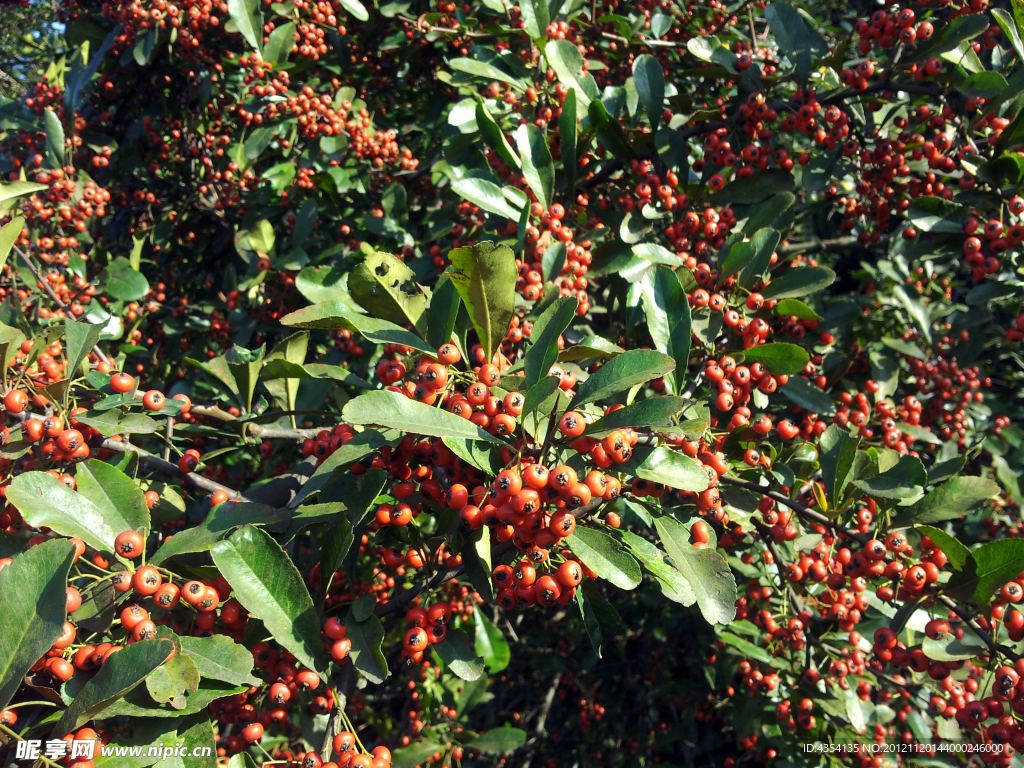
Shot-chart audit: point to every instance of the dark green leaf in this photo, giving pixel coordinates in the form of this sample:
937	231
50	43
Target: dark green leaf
788	359
485	277
808	395
391	409
490	643
267	583
119	499
120	673
538	167
219	523
567	142
80	338
385	287
498	741
650	87
543	352
33	595
218	657
42	500
653	412
567	62
668	320
603	555
457	653
754	189
798	281
122	282
366	637
955	552
338	314
903	481
952	499
933	214
619	374
705	569
837	452
987	569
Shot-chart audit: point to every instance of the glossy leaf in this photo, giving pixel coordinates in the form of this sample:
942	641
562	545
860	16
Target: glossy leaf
567	124
498	741
366	637
653	412
33	593
955	551
487	195
267	583
485	277
952	499
637	366
903	481
543	352
650	87
119	499
705	570
218	657
779	358
986	570
337	314
120	673
798	281
837	451
44	500
385	287
458	654
604	556
538	167
391	409
668	320
490	644
567	62
247	17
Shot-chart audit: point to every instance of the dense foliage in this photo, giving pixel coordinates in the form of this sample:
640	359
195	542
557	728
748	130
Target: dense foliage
564	384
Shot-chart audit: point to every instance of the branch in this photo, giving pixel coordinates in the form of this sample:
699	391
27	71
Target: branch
804	511
168	468
817	246
46	287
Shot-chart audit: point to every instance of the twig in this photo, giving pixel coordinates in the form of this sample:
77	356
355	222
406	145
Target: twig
50	292
805	512
168	468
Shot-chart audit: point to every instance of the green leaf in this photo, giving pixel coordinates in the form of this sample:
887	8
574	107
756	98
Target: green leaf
490	644
334	548
754	189
955	552
356	8
637	366
391	409
538	167
138	704
119	674
289	353
673	585
16	189
933	214
705	570
539	393
363	444
442	312
788	359
487	195
222	519
42	500
9	234
338	314
589	348
79	338
1010	29
668	320
498	741
457	653
122	282
951	649
567	62
280	44
218	657
168	683
1007	478
765	241
320	284
385	287
952	499
653	412
54	139
609	133
247	17
768	212
494	137
485	277
605	557
543	352
808	395
987	569
983	85
267	583
245	367
903	481
664	465
650	87
119	499
567	142
797	39
482	69
747	649
415	754
535	17
476	554
33	596
837	451
798	281
366	637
